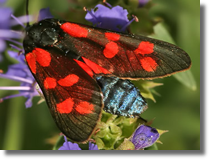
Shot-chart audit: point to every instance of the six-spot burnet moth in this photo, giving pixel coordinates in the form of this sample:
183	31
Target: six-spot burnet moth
82	70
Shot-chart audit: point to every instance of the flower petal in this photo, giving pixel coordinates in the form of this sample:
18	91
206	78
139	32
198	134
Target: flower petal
144	136
2	45
15	55
4	20
93	146
104	17
2	1
44	14
69	146
5	33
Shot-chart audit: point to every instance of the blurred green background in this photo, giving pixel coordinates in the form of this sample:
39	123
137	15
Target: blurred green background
176	110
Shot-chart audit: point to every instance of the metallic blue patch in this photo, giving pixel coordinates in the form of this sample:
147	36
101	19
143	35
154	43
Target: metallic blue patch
121	97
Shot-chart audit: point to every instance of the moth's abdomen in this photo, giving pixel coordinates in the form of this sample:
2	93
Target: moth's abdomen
121	97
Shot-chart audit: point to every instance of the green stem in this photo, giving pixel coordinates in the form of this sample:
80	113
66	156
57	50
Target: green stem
14	130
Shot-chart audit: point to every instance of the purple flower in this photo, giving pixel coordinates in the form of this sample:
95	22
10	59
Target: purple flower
2	1
74	146
69	145
44	14
93	146
4	24
20	72
113	18
5	20
142	3
144	136
6	34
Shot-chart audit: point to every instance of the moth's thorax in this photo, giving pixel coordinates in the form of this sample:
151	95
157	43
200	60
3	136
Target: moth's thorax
42	34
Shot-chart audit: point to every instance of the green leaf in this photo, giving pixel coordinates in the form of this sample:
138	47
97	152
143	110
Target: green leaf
99	143
161	33
126	145
186	78
146	88
58	143
115	129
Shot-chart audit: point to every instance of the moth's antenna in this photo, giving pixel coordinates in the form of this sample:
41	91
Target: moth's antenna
27	25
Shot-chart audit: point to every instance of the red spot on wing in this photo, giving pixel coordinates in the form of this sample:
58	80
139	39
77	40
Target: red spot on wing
96	68
145	48
84	67
110	50
84	108
31	60
65	106
42	57
112	36
148	64
69	80
50	83
38	55
74	30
